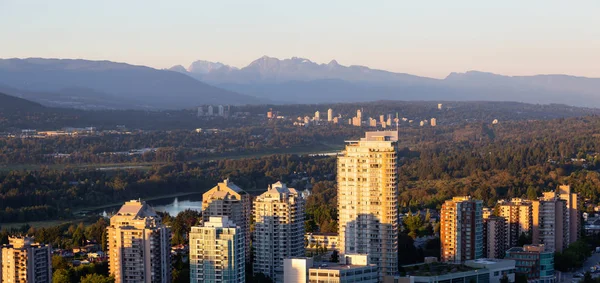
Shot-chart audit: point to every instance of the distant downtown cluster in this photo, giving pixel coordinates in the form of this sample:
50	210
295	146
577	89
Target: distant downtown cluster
385	120
267	233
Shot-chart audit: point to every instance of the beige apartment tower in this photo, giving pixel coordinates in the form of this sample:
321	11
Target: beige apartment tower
564	192
556	220
519	219
329	115
367	180
494	237
357	121
461	229
139	245
217	252
227	199
278	229
23	261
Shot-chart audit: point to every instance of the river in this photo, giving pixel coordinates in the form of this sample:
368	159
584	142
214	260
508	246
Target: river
171	205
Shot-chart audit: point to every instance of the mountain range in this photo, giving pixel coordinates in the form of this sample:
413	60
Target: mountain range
105	84
77	83
299	80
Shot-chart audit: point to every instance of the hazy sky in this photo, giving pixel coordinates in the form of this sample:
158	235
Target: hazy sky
429	38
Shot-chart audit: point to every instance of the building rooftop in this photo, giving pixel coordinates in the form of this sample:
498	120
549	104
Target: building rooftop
233	186
137	209
337	266
487	261
528	248
490	263
278	189
435	269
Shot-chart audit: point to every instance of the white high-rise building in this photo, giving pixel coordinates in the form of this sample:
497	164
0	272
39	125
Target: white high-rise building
22	260
227	199
221	110
139	245
200	111
210	110
329	115
367	178
317	116
217	252
278	229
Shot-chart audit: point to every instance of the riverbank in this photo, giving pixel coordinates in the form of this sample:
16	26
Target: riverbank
84	210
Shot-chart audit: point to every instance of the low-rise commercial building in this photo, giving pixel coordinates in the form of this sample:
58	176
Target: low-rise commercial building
534	262
352	268
499	268
472	271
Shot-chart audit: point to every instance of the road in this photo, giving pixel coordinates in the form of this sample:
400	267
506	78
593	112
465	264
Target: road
591	261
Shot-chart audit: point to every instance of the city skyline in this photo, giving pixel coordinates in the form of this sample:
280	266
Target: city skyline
510	38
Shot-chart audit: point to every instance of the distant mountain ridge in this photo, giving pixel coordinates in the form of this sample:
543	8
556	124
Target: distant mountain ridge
116	83
85	84
299	80
11	104
272	70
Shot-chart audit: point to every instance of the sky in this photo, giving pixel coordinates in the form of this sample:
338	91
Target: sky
426	38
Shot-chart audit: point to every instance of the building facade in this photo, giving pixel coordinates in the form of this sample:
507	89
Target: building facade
534	261
461	229
23	261
327	241
278	229
217	252
367	179
329	115
494	237
550	223
556	219
519	219
565	192
227	199
139	245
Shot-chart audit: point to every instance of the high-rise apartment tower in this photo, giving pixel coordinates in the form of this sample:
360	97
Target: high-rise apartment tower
278	229
461	229
367	179
217	252
139	245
